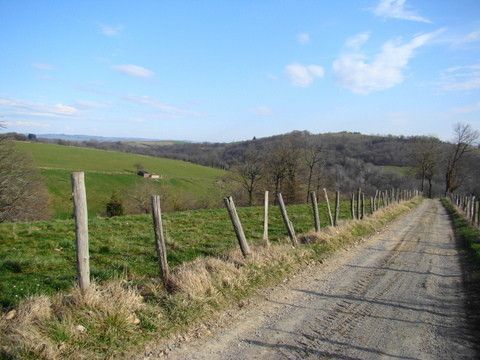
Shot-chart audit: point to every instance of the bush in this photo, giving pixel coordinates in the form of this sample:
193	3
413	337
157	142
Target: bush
114	206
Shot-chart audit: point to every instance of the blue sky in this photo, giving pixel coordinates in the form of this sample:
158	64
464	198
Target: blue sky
231	70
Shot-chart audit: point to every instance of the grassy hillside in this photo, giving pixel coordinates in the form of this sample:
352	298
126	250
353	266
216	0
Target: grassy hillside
106	171
39	257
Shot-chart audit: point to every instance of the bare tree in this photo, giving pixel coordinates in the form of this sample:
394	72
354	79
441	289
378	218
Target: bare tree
425	159
464	139
312	158
249	173
23	195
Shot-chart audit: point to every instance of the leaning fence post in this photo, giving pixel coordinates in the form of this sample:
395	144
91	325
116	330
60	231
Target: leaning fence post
237	226
81	229
316	218
160	239
265	220
337	208
328	207
287	222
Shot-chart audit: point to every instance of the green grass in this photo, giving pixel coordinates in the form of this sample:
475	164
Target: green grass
39	257
397	170
106	171
467	233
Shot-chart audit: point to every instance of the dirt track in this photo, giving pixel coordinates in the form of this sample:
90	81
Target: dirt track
398	295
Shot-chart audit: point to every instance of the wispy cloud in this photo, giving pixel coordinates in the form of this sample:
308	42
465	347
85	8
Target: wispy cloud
110	30
22	107
88	104
303	38
396	9
303	75
469	38
262	110
133	70
161	108
467	109
27	124
354	72
356	42
43	66
460	78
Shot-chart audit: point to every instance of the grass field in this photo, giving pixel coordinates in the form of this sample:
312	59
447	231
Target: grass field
39	257
106	171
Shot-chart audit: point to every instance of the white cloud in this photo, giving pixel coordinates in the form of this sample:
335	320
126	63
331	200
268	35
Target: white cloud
354	72
303	75
303	38
467	109
460	78
109	30
396	9
262	111
133	70
88	104
356	42
160	107
21	123
471	37
43	66
22	107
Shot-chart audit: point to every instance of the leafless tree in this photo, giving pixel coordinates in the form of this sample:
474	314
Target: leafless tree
464	139
312	158
23	195
249	173
425	159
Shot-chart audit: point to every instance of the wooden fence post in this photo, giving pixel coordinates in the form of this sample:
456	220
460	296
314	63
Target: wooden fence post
337	208
287	222
265	220
81	230
328	207
363	205
160	239
352	206
372	206
237	226
359	202
316	217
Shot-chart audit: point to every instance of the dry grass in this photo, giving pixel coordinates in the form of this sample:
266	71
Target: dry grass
117	316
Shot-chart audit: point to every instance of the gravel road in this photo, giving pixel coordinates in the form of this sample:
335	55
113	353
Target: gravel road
397	295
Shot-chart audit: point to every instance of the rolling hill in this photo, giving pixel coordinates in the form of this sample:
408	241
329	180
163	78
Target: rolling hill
108	171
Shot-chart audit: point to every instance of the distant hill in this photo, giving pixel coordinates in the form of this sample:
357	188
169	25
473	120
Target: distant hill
108	171
68	137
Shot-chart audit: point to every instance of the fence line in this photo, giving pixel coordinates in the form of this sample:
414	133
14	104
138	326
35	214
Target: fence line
469	205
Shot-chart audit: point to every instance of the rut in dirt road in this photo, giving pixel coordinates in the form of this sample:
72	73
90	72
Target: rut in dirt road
399	295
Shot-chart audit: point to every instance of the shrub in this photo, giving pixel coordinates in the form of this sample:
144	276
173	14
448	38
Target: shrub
114	206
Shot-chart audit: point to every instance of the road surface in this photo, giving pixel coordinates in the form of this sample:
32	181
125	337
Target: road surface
398	295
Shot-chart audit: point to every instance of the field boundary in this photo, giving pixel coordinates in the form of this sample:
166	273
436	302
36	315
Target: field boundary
107	320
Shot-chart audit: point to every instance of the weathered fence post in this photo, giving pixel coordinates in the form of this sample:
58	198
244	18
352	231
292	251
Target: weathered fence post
160	239
265	220
363	206
316	217
352	206
81	229
237	226
359	203
328	207
337	208
372	206
287	222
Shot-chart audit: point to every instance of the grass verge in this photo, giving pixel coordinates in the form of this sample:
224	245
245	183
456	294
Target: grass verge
119	315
